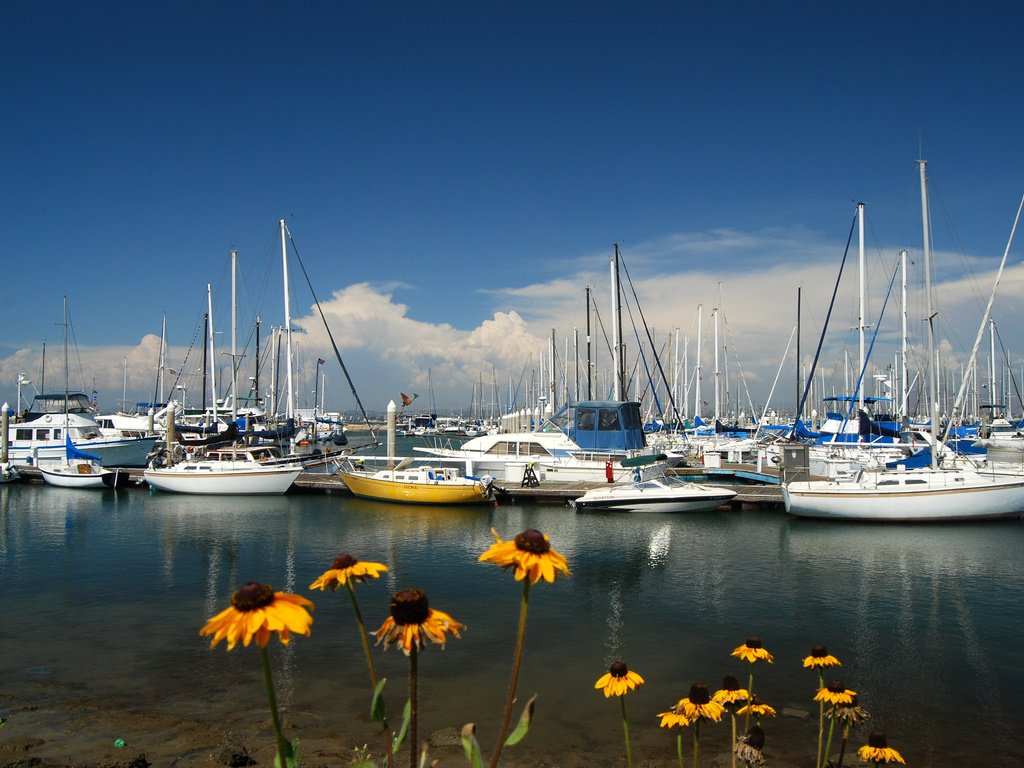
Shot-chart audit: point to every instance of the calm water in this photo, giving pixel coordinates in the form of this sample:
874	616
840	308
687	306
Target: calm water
104	593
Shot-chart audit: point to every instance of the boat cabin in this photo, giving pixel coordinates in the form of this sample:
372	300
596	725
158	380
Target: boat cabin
606	426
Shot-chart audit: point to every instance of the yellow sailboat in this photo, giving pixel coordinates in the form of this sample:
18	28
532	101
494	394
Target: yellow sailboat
416	485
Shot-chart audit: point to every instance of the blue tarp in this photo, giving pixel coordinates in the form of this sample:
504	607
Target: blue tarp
74	453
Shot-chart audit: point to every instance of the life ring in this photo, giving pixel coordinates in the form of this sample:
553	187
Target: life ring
48	419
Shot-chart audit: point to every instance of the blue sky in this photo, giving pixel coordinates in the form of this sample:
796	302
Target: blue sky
455	175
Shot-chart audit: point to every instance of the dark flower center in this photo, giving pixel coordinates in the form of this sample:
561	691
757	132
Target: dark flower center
853	701
618	669
410	606
532	540
699	694
730	683
877	740
819	651
252	596
836	687
341	562
753	642
755	737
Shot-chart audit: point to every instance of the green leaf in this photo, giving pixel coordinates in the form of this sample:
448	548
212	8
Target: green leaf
406	719
291	755
523	725
471	745
378	710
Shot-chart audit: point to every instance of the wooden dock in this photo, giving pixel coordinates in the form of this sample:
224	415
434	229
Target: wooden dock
753	488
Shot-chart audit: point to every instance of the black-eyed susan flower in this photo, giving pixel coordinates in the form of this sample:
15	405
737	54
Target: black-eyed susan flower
835	693
698	705
820	657
618	680
877	750
346	568
757	708
849	714
674	718
752	651
531	555
412	622
749	746
257	611
730	693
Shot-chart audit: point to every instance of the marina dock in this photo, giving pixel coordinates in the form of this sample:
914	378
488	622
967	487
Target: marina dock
755	489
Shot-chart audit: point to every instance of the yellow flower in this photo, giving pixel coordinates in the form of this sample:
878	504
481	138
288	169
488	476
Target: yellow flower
344	568
820	658
258	611
730	692
700	705
672	718
835	693
618	680
531	554
412	622
752	651
877	750
757	708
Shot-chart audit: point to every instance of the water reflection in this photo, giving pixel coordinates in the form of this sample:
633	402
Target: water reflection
925	619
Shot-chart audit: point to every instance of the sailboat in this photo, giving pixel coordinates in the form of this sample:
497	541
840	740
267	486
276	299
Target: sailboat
230	472
931	493
82	470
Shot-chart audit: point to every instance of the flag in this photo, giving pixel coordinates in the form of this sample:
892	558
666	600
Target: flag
406	400
321	361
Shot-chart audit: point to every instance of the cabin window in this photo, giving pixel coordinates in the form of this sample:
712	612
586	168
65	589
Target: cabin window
533	449
57	434
23	434
501	448
609	419
585	420
42	434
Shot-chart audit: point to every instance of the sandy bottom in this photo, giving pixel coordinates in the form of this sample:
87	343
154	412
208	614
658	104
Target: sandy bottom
82	734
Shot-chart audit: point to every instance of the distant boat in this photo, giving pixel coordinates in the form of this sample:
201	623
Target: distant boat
416	485
82	470
923	494
600	433
653	491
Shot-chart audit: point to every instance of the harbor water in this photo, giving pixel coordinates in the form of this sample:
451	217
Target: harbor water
103	595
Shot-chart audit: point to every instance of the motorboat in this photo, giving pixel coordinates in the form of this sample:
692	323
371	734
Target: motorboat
38	436
410	484
652	490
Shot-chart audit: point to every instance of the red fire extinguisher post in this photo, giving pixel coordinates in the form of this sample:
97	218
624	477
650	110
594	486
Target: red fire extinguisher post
609	474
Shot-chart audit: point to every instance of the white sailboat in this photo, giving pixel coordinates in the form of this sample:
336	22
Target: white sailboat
233	472
904	495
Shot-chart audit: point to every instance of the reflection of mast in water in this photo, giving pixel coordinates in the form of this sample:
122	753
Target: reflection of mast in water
287	675
614	641
5	519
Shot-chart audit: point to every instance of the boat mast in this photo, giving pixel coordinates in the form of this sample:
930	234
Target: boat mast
234	348
933	384
290	408
617	364
700	365
213	353
904	378
589	363
861	362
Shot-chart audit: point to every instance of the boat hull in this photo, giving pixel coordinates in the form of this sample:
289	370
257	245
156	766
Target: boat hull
414	493
218	481
73	476
934	497
696	499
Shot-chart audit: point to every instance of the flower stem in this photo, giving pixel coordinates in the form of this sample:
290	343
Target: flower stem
821	715
750	693
268	679
679	748
828	744
842	748
732	716
506	719
625	731
696	743
370	667
413	709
